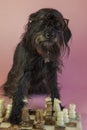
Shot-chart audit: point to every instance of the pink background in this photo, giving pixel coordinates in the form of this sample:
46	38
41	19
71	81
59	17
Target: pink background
13	17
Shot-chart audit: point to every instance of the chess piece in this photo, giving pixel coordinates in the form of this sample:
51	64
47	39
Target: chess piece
48	106
2	107
25	117
60	119
25	114
56	106
8	111
72	111
49	118
65	115
39	121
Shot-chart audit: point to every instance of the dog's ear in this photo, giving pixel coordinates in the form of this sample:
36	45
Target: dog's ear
33	17
66	32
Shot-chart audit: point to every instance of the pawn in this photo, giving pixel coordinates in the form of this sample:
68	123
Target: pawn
39	121
65	115
25	117
25	114
2	107
72	111
60	119
8	111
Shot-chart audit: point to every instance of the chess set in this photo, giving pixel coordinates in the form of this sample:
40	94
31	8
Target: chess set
42	119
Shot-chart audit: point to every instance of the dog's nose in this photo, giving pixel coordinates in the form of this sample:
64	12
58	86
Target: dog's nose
50	35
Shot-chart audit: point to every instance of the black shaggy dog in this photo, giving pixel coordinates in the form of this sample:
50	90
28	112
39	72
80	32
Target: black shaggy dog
37	59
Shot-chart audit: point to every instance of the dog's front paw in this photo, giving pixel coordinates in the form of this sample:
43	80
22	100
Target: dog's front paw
14	118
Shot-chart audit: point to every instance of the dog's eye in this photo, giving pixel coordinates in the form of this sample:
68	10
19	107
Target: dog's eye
58	25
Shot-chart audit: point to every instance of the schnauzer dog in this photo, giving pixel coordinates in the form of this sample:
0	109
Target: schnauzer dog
37	59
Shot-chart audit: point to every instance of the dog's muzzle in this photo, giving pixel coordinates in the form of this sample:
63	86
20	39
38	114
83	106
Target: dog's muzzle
45	44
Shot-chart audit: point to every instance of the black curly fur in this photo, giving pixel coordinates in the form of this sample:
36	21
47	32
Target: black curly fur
37	59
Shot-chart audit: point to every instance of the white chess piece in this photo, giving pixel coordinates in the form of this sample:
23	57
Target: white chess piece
72	111
65	115
8	111
60	119
47	100
2	107
57	105
9	108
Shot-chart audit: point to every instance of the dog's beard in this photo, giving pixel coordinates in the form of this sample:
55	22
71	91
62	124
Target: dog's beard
44	52
48	50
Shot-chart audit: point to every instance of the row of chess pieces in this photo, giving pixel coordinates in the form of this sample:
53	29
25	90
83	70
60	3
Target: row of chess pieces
64	116
59	117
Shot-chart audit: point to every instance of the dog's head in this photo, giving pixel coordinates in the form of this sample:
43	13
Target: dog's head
48	32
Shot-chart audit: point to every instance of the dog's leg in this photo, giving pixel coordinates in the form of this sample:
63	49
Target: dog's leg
17	71
52	81
16	113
